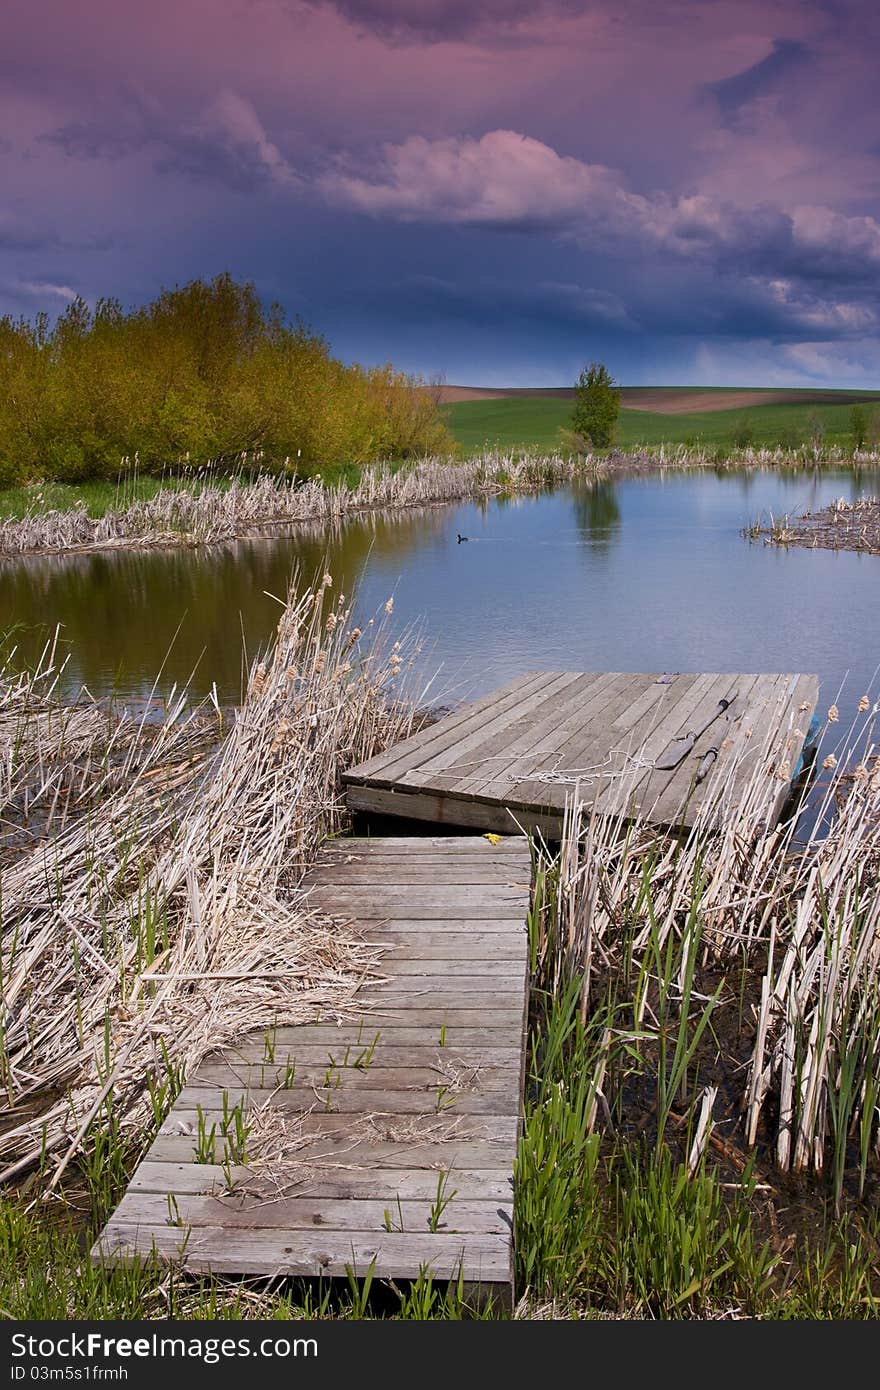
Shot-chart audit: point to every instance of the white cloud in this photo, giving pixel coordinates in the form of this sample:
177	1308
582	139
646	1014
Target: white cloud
858	363
43	289
822	228
503	178
234	121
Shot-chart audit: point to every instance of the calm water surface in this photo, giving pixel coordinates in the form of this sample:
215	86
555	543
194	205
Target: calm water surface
638	574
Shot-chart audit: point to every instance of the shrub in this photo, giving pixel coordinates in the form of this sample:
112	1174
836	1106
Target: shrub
596	405
201	376
743	434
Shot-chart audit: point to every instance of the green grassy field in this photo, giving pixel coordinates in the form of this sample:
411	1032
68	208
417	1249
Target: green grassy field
535	421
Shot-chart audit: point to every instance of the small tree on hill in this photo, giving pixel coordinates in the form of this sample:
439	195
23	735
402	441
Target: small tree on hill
596	405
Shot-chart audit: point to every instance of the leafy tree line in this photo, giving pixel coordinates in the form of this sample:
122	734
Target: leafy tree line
201	375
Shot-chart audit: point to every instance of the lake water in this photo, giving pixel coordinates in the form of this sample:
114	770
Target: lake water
636	574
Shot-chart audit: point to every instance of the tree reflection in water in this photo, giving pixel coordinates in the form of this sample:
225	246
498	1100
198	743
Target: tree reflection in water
597	513
126	615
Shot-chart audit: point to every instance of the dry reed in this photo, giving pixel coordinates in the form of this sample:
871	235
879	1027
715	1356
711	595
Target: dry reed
842	525
169	920
800	919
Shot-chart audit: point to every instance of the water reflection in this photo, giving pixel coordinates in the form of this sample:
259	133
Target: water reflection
597	512
127	615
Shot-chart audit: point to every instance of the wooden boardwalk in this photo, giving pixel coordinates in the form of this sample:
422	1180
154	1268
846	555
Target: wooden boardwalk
387	1141
511	758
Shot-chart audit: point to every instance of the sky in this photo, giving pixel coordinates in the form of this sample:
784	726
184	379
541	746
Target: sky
482	191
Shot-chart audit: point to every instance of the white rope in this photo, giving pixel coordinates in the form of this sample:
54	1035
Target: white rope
570	776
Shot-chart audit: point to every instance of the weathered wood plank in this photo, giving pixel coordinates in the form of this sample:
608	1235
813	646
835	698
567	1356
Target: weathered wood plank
480	1257
670	790
383	1055
583	745
439	1095
488	762
470	1034
254	1078
435	847
425	904
238	1212
410	875
594	741
586	741
342	1153
453	991
447	809
440	1125
634	789
438	927
457	721
427	945
487	1184
397	966
497	724
467	1007
645	708
536	744
503	896
456	728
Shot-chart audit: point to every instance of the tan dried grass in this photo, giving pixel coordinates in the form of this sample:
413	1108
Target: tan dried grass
170	921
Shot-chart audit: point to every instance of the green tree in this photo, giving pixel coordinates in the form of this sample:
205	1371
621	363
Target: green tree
596	405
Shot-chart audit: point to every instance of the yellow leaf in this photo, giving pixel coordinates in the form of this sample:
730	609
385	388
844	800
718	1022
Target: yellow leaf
493	839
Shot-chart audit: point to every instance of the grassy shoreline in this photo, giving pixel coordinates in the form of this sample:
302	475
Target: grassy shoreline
203	510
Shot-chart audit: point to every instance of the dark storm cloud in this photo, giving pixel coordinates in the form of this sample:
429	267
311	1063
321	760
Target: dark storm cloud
814	244
225	143
733	93
447	19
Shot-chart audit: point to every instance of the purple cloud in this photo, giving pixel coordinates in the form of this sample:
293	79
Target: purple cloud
503	179
437	20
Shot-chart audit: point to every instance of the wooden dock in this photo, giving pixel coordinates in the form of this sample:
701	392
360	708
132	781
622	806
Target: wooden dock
510	759
388	1140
